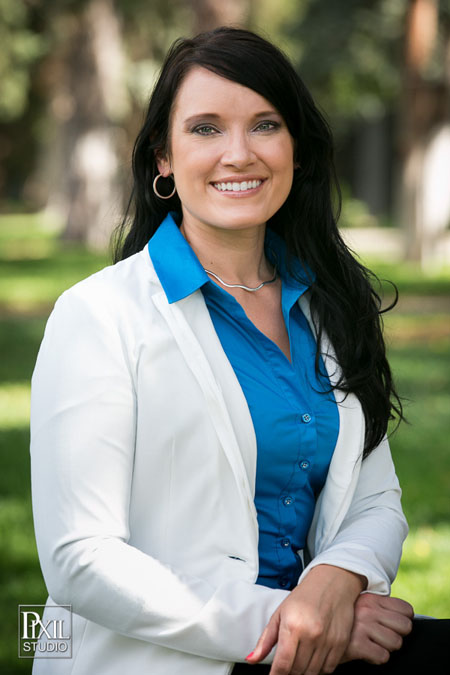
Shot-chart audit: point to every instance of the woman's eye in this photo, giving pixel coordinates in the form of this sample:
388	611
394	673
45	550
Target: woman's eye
267	126
204	130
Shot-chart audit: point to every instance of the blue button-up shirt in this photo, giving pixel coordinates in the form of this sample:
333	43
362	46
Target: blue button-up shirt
293	412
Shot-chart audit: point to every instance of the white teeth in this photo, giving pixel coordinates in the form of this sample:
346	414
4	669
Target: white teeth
238	187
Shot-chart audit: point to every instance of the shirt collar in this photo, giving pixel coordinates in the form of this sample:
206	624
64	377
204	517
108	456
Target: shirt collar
181	273
178	268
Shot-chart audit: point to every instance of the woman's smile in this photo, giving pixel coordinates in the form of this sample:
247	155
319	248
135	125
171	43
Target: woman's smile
236	186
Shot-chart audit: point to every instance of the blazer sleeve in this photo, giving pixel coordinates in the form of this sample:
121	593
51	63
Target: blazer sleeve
370	538
83	422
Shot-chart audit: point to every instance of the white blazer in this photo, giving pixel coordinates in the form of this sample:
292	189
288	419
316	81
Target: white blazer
143	473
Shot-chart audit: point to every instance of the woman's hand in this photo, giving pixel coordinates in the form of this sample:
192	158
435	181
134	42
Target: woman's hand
380	624
313	625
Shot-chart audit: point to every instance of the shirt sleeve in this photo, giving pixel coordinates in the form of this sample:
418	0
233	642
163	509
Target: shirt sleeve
83	424
370	538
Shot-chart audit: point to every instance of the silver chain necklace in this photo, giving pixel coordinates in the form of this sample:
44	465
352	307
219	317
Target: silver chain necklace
245	288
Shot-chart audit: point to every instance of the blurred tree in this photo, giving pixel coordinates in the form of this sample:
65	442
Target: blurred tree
75	74
209	14
425	130
88	100
22	46
349	53
102	57
69	100
85	79
352	56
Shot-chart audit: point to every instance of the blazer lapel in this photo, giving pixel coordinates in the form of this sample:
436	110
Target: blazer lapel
191	326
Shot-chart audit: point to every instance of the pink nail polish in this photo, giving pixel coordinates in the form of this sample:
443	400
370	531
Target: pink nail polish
249	656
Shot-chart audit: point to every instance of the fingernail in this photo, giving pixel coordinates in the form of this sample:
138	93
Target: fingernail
249	656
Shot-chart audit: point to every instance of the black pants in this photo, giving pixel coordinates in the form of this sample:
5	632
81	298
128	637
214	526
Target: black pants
425	651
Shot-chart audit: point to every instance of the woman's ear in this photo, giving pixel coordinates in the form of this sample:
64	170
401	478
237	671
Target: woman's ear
163	164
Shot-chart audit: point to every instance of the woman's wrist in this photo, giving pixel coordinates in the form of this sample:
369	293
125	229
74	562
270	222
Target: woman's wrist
352	582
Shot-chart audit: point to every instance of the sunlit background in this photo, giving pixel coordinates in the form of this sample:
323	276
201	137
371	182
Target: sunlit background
74	79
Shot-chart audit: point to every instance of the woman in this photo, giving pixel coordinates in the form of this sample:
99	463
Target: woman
193	429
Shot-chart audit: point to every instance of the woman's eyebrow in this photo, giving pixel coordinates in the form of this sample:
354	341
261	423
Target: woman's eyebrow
267	113
201	117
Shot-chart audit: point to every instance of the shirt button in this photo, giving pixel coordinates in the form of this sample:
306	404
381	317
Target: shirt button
285	543
306	418
304	464
283	582
288	501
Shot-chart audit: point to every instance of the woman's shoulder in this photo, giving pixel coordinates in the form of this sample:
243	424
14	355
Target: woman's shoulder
117	298
124	283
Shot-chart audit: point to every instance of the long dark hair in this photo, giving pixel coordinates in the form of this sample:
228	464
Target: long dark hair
344	303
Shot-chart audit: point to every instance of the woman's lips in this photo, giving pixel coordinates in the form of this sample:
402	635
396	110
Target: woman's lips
238	187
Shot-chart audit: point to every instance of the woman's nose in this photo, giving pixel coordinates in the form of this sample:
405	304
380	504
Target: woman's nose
238	151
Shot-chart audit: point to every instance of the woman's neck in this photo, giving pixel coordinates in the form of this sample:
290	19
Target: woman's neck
236	256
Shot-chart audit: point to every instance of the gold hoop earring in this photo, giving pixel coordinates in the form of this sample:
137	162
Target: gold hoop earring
155	189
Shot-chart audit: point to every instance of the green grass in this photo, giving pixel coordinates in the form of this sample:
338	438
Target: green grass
36	268
421	447
410	279
424	573
421	451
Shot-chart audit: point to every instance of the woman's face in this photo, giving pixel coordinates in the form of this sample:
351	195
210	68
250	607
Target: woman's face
230	152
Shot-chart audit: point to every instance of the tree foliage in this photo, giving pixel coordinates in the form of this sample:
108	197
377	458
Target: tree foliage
352	53
21	47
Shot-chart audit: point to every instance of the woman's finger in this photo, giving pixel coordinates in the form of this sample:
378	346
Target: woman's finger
312	648
333	657
396	605
393	613
376	654
366	650
315	665
266	642
371	610
332	661
386	638
399	623
286	656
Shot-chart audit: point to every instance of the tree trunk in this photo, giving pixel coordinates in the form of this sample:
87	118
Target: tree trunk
423	137
209	14
88	101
